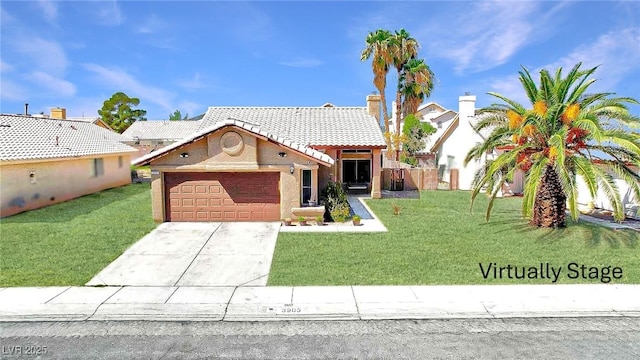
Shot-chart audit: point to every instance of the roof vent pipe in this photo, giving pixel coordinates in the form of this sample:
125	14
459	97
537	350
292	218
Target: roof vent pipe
26	108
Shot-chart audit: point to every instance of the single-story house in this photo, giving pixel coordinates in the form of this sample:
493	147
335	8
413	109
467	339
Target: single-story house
45	161
261	163
151	135
61	113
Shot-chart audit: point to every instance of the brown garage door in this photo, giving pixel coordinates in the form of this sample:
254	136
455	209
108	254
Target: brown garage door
222	196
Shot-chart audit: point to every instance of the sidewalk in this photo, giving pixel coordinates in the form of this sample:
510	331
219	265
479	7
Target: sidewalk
316	303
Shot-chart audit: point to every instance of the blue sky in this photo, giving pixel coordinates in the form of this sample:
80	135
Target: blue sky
191	55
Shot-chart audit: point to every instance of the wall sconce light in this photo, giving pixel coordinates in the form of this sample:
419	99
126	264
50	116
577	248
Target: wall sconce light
291	169
184	155
282	154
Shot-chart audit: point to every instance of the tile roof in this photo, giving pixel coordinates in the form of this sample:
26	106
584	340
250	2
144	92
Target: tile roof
161	129
28	138
90	119
246	126
312	126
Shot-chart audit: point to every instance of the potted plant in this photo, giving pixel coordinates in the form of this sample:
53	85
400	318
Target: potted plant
287	222
302	220
320	220
356	220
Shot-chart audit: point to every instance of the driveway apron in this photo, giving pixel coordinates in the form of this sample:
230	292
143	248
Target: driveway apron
196	254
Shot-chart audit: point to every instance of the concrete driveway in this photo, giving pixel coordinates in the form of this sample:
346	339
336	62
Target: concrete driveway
196	254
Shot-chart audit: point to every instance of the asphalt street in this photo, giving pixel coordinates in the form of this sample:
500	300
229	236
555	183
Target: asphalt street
515	338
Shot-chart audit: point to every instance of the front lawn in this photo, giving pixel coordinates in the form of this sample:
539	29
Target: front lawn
435	240
68	243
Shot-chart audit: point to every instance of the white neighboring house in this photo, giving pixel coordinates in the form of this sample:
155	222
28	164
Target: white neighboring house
453	139
629	202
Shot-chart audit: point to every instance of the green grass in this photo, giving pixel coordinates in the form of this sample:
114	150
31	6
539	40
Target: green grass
435	240
68	243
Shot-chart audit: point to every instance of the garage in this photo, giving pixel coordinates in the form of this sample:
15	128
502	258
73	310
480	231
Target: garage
222	196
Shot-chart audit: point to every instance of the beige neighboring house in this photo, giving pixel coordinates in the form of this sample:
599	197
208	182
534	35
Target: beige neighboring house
61	113
261	163
44	161
151	135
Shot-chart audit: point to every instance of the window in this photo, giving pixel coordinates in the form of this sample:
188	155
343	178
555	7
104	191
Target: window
98	167
120	162
356	171
306	186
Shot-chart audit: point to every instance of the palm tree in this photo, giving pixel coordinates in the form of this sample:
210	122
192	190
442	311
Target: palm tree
416	84
403	48
378	48
566	133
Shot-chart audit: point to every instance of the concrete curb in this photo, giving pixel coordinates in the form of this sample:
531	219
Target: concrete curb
317	303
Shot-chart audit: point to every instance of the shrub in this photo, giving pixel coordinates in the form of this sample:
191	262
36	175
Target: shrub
335	201
340	213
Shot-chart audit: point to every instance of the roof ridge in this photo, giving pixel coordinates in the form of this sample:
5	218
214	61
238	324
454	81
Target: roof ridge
287	107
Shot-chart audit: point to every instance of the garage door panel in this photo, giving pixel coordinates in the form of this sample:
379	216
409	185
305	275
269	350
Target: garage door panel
203	202
222	196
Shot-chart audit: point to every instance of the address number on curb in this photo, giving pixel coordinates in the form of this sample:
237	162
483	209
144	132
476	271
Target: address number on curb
286	309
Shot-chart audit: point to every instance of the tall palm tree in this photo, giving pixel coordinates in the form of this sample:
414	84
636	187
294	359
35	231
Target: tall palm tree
566	133
378	48
416	84
403	48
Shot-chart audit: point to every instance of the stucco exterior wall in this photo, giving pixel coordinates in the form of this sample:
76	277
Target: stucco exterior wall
224	153
57	181
457	146
601	201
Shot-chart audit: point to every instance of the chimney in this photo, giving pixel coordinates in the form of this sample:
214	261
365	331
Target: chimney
373	106
26	108
59	113
467	106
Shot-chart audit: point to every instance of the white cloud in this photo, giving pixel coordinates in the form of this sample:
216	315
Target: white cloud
190	108
617	53
58	86
302	62
151	25
483	36
510	87
109	13
120	80
5	67
11	91
48	56
49	10
194	83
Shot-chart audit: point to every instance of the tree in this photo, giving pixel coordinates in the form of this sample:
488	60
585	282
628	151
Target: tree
177	115
414	132
117	112
567	132
377	48
416	84
397	50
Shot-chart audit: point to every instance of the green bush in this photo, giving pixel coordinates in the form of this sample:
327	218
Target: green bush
408	159
335	202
